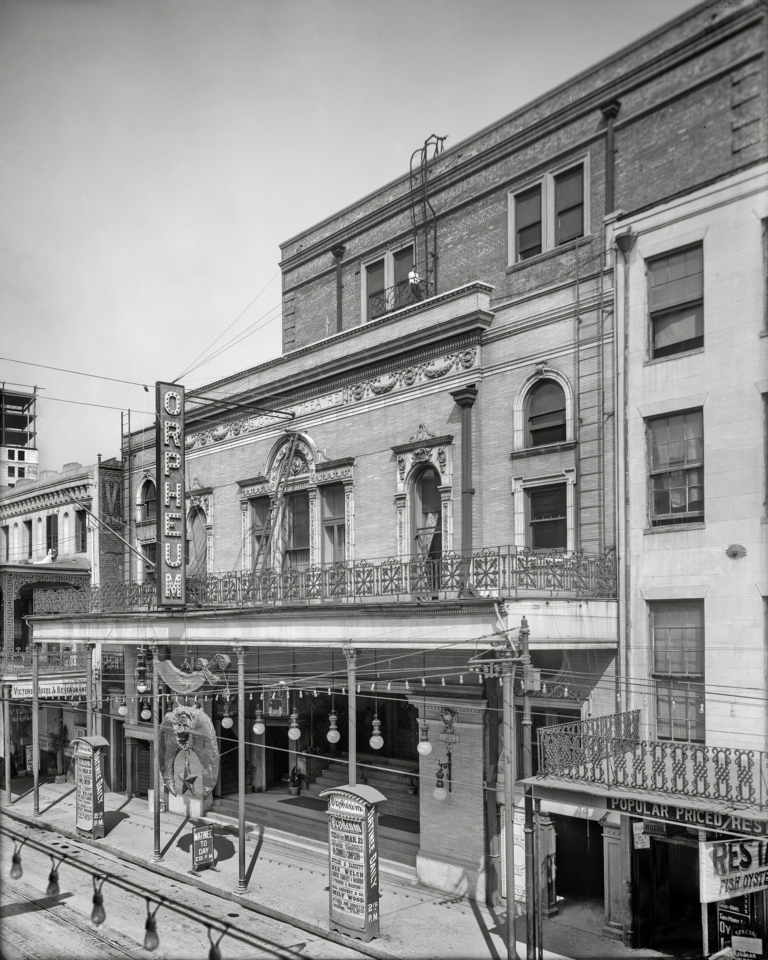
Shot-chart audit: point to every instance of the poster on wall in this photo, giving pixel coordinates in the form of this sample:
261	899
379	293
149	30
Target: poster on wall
353	855
170	574
89	786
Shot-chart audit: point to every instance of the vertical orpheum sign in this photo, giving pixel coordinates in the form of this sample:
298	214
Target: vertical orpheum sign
353	851
171	522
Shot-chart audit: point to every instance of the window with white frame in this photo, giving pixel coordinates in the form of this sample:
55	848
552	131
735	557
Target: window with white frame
259	517
549	213
676	474
677	631
149	550
386	284
294	534
546	414
334	523
148	500
548	517
676	301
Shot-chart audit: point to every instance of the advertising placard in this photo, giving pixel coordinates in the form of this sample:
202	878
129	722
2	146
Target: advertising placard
203	852
353	851
30	757
171	522
732	915
728	868
89	786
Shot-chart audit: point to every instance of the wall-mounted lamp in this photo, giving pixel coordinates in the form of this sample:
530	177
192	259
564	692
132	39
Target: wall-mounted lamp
424	747
141	672
443	774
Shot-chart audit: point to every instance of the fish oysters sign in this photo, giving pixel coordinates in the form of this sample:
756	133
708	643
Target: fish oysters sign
170	536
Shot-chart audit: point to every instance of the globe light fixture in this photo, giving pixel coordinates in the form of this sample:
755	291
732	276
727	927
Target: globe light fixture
376	741
424	747
259	726
98	915
443	774
333	734
146	713
293	731
122	709
440	793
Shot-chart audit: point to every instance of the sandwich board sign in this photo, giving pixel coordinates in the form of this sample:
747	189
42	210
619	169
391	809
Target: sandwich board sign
203	852
89	786
353	854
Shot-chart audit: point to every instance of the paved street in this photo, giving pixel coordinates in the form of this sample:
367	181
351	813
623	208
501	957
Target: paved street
36	927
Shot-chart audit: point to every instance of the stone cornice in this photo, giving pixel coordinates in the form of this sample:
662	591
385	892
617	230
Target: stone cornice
425	442
334	464
46	500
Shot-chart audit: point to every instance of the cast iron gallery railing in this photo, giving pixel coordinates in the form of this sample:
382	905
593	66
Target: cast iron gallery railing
505	571
403	294
608	751
54	663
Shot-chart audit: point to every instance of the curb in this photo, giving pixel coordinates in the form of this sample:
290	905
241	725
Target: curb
167	872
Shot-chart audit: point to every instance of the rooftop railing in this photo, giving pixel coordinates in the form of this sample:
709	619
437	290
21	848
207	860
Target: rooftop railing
608	751
399	295
500	572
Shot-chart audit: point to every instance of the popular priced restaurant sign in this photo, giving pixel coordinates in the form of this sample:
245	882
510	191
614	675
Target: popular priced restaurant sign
171	522
353	849
730	868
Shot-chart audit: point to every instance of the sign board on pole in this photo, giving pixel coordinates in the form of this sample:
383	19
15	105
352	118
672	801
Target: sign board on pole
203	846
728	868
353	851
89	786
171	521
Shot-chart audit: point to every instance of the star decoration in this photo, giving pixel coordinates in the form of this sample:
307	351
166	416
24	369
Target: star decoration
188	783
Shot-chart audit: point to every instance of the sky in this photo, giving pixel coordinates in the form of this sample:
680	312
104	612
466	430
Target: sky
155	153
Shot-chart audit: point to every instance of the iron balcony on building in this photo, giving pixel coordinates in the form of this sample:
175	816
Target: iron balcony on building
501	572
607	752
20	664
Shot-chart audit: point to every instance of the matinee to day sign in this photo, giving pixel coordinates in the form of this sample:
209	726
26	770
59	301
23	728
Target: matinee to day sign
353	849
89	786
171	523
203	852
729	868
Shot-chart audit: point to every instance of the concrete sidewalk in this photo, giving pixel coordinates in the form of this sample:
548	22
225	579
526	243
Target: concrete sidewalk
288	880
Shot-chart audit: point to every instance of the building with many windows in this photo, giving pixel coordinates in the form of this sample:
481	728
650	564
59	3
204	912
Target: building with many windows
473	377
18	433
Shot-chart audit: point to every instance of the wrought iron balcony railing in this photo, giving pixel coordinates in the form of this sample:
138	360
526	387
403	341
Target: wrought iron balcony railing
403	294
608	751
500	572
21	663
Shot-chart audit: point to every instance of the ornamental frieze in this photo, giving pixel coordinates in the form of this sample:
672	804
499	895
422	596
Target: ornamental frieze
368	389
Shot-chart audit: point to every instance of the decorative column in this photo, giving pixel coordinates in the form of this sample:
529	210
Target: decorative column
315	549
401	500
246	535
337	253
158	854
465	398
89	689
242	883
349	520
36	728
7	742
351	654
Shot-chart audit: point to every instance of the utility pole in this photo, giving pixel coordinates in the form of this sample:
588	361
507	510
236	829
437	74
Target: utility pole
351	654
503	664
531	886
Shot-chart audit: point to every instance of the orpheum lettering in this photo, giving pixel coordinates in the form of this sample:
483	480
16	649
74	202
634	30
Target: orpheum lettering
169	459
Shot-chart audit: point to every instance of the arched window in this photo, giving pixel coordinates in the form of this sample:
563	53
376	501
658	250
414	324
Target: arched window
546	414
428	514
148	501
197	544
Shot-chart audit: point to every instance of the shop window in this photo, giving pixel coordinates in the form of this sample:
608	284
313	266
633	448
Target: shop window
149	501
676	301
677	468
334	523
546	414
548	518
677	630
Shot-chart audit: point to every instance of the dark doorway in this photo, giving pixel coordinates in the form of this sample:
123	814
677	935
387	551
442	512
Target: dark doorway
228	755
275	755
579	857
667	908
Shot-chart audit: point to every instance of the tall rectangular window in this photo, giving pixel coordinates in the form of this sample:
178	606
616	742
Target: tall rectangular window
297	529
150	555
259	518
677	468
676	301
52	533
569	205
334	523
81	532
375	289
528	238
28	537
548	518
402	262
677	630
6	544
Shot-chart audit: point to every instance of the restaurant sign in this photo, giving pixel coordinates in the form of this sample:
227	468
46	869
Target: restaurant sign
729	868
61	689
171	522
89	786
689	816
353	850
